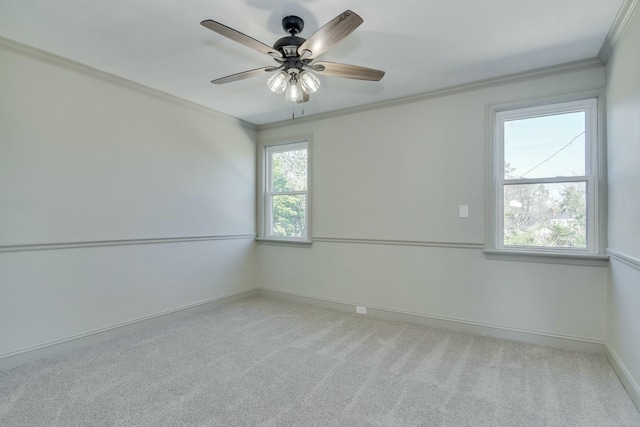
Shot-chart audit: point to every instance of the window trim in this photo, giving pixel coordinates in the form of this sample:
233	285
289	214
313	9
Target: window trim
594	177
264	177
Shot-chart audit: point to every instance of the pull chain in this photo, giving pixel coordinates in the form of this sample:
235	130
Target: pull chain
293	112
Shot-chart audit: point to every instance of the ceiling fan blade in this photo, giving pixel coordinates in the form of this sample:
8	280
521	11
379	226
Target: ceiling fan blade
240	37
347	71
331	33
243	75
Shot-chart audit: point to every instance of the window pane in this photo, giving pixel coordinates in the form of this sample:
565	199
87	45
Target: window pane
288	215
548	215
289	170
548	146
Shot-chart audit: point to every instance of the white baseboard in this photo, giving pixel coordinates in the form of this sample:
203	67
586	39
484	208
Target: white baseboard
20	357
564	342
27	355
625	377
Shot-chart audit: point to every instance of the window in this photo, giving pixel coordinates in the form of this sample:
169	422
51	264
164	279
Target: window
545	182
286	192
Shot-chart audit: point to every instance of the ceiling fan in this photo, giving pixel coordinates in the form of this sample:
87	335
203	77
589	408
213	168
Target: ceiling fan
295	56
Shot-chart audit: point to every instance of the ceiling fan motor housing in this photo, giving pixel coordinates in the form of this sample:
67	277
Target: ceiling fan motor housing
289	45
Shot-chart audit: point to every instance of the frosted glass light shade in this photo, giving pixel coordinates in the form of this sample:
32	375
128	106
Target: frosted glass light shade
278	82
309	82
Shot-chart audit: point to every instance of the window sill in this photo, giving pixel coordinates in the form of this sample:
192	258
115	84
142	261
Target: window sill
547	257
284	242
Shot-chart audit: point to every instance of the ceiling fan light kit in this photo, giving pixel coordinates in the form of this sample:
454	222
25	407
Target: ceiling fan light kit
310	83
295	56
278	82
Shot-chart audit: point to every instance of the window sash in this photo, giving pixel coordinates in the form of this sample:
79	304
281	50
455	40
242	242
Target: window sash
270	218
590	225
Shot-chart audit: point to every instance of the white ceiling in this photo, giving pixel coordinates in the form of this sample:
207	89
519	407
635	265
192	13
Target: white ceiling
423	45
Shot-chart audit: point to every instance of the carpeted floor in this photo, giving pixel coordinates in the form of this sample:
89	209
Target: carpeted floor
267	362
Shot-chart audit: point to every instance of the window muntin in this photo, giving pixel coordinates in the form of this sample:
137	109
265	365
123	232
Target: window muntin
546	177
286	194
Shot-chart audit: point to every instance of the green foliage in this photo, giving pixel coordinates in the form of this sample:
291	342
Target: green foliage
573	234
290	170
534	217
573	203
289	216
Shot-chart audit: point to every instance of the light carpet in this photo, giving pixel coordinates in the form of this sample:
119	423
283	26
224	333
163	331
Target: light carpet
270	362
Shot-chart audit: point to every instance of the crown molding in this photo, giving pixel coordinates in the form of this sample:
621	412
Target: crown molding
73	66
38	54
617	28
568	67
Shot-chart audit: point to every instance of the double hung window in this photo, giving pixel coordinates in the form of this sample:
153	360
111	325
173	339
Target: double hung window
286	192
546	179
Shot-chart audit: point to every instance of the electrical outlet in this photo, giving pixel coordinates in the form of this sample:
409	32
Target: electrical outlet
361	310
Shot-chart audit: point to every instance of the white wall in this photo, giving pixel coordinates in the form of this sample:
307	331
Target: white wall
399	173
87	157
623	140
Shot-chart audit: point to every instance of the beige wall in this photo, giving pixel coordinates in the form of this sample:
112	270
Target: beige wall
87	157
623	140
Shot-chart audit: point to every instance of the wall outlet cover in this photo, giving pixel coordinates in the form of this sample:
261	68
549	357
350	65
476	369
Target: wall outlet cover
361	310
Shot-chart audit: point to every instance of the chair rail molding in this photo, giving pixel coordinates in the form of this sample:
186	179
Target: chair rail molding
121	242
624	258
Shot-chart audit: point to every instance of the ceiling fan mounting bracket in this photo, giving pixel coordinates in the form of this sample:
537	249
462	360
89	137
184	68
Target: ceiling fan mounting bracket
292	24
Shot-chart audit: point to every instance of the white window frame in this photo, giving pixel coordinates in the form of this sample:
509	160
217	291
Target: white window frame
593	176
265	196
